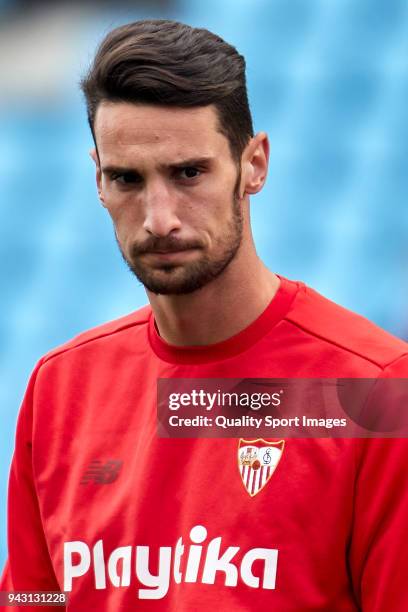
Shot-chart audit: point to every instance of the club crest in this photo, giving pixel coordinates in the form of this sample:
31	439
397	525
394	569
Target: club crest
257	461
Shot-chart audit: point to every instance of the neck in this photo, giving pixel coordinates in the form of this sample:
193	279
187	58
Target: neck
220	309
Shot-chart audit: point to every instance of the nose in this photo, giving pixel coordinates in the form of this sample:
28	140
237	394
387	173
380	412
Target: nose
160	208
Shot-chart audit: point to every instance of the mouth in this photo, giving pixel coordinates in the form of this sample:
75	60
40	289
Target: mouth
171	255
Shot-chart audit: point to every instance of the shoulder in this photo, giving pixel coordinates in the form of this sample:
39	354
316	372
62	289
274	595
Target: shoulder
111	329
319	317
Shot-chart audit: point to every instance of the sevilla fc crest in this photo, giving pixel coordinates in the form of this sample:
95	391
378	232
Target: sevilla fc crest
257	461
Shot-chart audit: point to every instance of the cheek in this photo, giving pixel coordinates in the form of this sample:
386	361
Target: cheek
123	209
211	202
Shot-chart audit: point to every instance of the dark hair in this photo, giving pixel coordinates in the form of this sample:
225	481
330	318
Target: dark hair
172	64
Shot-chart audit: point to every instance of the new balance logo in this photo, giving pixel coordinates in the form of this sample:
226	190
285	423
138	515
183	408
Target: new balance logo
102	473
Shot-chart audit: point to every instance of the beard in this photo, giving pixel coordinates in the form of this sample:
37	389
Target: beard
178	279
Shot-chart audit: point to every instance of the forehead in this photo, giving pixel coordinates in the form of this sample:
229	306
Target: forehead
142	127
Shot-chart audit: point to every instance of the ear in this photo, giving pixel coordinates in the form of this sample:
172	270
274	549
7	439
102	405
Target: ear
94	155
255	160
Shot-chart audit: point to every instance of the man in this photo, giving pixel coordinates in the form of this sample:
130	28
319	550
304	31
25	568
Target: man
99	505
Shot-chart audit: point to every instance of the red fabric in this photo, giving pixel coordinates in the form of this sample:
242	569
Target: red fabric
334	510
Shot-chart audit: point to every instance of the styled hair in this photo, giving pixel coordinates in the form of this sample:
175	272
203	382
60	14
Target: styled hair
167	63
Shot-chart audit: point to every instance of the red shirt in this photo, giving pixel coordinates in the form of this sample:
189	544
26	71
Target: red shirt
122	520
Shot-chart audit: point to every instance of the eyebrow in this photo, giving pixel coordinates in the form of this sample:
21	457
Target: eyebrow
201	161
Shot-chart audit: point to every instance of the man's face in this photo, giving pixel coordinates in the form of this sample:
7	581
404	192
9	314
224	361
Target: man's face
169	182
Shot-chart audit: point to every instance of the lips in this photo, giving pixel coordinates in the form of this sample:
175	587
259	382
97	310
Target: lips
170	251
170	255
165	251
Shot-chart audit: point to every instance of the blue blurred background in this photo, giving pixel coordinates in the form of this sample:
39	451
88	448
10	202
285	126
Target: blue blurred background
327	80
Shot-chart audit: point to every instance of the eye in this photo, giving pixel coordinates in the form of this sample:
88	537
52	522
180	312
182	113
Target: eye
125	178
189	172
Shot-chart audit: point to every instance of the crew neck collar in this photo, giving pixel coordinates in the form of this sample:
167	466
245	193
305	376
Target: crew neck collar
243	340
